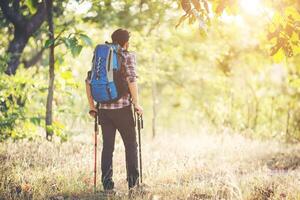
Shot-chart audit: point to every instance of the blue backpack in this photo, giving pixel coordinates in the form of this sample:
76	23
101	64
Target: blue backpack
107	82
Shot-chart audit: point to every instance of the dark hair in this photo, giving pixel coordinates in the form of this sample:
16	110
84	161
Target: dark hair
120	36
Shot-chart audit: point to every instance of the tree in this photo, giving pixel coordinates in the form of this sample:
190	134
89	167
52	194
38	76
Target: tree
24	27
283	30
49	131
134	15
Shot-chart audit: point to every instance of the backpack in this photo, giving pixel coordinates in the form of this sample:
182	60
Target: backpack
107	81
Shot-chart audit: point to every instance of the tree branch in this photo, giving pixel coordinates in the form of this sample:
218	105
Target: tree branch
34	59
37	19
16	5
11	14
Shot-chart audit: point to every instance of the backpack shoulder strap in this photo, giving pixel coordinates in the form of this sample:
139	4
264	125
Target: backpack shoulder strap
94	62
109	65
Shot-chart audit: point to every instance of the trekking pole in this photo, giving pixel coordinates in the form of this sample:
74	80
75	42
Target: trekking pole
95	153
140	126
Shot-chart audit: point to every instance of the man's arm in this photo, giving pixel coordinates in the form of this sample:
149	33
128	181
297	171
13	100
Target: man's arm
133	88
89	95
132	83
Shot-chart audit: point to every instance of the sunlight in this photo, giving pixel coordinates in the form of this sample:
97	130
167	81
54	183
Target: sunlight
251	7
79	8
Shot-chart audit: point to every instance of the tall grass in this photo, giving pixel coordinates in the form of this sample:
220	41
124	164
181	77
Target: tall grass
194	166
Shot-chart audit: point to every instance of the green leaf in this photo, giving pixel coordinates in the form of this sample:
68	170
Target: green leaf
73	42
32	5
48	43
75	50
67	42
86	39
36	120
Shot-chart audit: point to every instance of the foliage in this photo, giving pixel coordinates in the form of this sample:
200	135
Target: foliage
285	33
23	101
221	75
138	15
15	93
73	42
284	27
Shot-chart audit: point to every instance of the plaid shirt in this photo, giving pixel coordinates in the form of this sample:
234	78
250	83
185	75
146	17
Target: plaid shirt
128	65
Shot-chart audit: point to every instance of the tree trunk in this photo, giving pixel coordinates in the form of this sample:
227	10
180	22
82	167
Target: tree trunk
34	59
271	116
49	129
248	114
15	50
256	114
287	130
231	109
154	103
154	96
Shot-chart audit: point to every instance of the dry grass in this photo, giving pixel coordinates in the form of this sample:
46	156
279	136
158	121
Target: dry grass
223	166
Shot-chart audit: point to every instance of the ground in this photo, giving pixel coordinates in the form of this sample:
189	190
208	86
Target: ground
175	166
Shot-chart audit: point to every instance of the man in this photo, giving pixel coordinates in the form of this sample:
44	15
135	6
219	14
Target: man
119	116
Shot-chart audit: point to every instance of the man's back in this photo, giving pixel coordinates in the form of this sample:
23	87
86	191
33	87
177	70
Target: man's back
128	69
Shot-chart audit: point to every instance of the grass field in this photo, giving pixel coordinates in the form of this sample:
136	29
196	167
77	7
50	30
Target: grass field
195	166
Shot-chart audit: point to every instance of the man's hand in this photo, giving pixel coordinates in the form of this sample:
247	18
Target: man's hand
138	109
93	113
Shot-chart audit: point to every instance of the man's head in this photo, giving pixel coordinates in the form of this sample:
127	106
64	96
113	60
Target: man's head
121	37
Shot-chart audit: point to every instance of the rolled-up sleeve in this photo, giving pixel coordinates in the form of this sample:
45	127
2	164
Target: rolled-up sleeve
130	66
